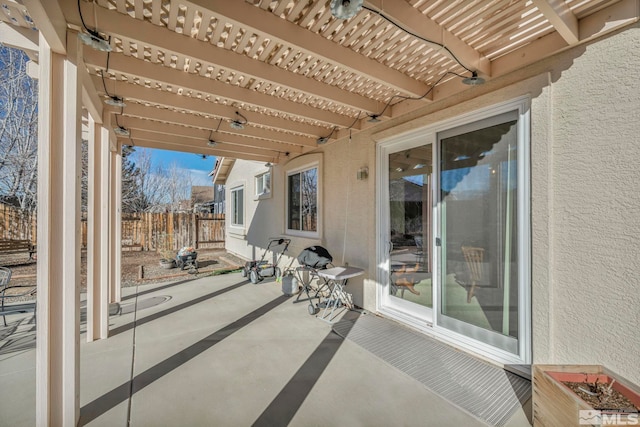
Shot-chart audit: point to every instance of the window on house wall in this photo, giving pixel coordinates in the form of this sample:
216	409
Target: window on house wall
302	200
237	206
263	184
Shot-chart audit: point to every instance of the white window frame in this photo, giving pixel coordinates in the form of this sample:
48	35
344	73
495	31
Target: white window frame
294	170
232	207
261	177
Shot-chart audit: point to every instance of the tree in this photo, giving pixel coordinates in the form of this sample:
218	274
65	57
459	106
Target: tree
144	186
18	131
133	199
149	187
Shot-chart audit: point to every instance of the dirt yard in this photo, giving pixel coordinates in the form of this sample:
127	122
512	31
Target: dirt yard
210	261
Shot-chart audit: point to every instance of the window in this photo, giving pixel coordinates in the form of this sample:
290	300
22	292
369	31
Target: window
237	206
302	211
263	184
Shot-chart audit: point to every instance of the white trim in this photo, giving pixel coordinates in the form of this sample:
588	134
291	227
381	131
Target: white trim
264	194
426	135
315	163
236	228
420	314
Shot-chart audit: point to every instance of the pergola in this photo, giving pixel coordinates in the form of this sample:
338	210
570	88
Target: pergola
262	80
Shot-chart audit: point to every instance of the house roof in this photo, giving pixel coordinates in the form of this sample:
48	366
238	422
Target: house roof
221	169
289	71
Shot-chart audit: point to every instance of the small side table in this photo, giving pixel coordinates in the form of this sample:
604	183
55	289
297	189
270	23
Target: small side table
336	278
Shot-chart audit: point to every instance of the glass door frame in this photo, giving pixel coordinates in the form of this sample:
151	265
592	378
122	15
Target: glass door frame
402	310
427	322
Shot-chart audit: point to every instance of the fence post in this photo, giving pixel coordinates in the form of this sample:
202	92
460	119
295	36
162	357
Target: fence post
194	225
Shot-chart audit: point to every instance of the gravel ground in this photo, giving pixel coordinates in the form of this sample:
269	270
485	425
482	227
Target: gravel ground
23	271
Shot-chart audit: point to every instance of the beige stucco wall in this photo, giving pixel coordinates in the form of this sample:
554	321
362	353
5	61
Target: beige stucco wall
593	184
249	241
585	199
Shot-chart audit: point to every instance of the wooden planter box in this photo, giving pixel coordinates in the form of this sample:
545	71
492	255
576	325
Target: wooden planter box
555	404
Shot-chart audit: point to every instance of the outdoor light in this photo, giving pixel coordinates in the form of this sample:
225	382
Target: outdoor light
115	101
238	124
322	140
474	80
345	9
121	131
362	174
211	143
94	40
373	118
268	165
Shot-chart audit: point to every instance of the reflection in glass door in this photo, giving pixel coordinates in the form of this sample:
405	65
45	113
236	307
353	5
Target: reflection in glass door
478	295
410	219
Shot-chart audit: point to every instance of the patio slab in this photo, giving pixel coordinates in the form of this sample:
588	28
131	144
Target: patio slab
224	352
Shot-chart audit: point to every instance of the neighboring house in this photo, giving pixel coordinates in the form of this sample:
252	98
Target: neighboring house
203	198
538	170
202	194
219	199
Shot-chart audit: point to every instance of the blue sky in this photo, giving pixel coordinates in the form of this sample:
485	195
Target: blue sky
197	167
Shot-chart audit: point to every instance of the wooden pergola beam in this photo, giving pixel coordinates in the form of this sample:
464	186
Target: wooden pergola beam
202	106
179	79
291	34
561	17
201	136
170	42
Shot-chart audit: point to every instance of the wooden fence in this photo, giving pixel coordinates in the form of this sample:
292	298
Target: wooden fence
145	230
140	231
16	224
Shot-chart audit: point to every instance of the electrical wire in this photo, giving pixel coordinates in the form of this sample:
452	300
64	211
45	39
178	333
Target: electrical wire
117	122
325	138
105	85
211	132
90	31
415	98
419	37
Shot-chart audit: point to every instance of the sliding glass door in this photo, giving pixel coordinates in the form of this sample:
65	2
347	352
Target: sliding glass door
454	243
478	189
410	174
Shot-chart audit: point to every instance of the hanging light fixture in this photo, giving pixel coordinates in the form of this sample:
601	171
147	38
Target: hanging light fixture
115	101
119	130
268	165
345	9
373	118
211	143
95	40
92	37
239	122
474	80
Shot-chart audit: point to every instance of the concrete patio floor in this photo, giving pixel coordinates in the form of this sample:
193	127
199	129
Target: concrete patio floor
219	351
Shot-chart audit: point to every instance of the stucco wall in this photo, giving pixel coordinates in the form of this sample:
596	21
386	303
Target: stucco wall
585	199
594	185
262	216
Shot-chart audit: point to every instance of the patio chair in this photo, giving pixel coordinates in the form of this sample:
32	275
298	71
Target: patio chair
474	258
5	278
403	278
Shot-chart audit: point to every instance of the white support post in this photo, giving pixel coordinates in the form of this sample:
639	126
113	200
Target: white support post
115	225
98	233
59	168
